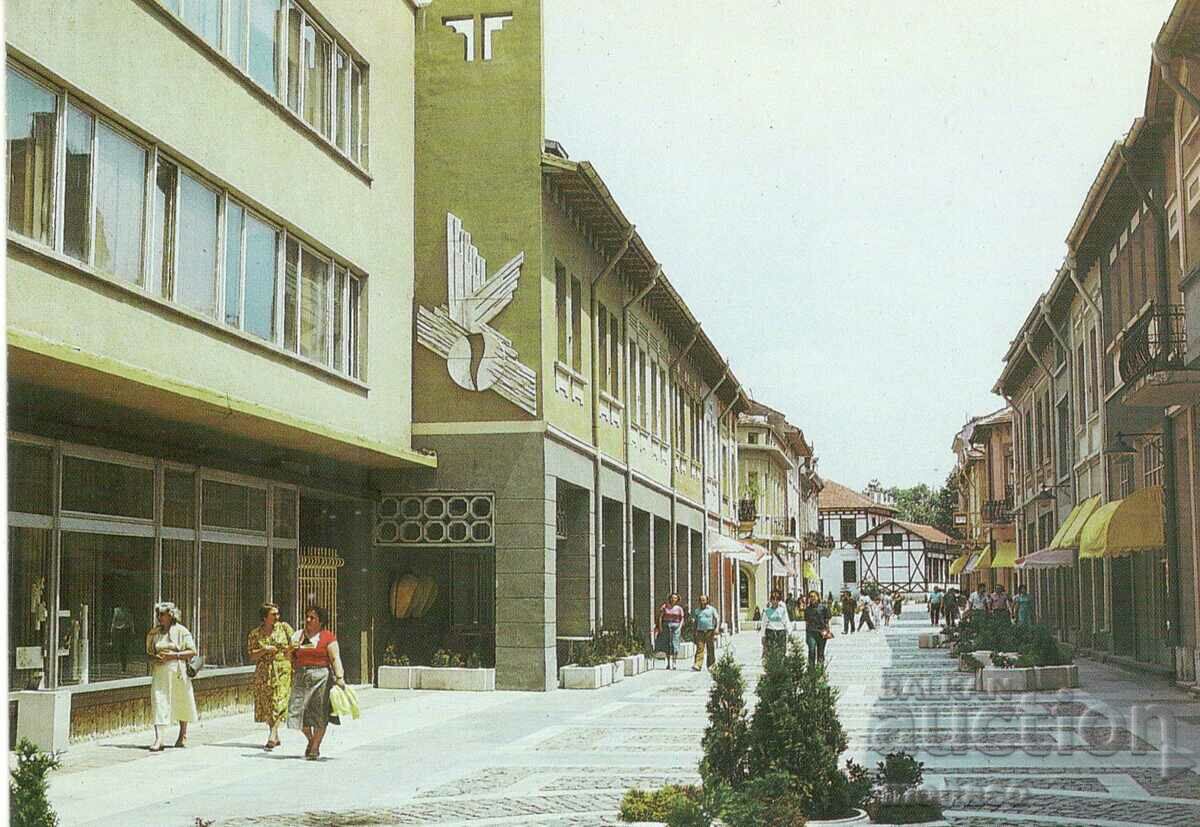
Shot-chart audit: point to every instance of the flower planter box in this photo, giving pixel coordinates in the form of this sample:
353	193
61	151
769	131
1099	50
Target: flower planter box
618	671
860	818
994	679
585	677
455	678
1049	678
396	677
687	651
929	640
633	665
450	678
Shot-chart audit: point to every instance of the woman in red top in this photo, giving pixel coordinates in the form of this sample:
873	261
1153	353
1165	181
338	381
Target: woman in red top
316	664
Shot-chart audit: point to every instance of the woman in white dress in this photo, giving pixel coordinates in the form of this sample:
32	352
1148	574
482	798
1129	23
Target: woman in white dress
170	646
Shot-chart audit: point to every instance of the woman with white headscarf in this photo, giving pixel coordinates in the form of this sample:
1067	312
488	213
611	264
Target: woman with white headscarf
170	646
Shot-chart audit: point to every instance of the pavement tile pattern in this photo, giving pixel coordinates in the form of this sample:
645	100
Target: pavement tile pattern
1070	758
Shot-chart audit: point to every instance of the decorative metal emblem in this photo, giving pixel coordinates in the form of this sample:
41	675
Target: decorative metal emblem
478	357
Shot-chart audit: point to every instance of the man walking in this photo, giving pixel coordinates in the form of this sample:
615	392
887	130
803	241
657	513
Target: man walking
935	605
848	607
706	623
865	617
979	600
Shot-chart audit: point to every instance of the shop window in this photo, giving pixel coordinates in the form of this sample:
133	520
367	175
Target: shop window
285	513
178	580
238	507
179	498
284	575
743	590
473	578
106	605
97	487
233	585
30	475
29	601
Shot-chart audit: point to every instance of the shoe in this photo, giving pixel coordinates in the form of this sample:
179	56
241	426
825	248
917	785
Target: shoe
271	744
697	669
180	743
159	748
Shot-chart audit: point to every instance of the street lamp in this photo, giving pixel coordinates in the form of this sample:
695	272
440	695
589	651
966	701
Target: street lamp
1120	444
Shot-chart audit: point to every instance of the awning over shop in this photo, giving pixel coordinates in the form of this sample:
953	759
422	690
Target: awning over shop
1067	535
957	566
1005	556
1047	558
1125	526
980	561
723	543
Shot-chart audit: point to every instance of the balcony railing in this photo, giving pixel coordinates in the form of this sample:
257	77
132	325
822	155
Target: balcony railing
998	511
747	511
1156	342
816	541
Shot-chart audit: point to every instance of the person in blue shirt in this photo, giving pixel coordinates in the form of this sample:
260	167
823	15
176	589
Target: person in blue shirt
707	621
775	623
1024	606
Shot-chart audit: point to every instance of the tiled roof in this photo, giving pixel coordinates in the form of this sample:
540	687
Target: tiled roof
926	532
837	496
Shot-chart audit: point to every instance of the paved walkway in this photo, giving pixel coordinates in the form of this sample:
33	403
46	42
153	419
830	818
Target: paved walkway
565	758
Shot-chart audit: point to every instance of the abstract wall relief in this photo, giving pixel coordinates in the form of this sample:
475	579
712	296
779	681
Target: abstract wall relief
478	357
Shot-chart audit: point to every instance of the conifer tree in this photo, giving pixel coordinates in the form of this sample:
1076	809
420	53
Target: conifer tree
725	741
27	801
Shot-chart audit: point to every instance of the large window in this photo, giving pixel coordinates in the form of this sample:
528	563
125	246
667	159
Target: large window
849	571
323	83
849	530
32	132
893	539
130	531
208	252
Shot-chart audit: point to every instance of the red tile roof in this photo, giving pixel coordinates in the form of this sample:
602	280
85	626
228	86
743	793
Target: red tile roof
835	496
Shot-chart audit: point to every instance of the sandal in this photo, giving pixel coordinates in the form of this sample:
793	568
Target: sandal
159	748
270	744
180	743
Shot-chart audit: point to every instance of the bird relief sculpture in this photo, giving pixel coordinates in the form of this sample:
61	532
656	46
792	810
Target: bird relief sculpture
478	357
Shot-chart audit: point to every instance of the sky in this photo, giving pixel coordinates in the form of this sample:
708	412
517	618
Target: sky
860	201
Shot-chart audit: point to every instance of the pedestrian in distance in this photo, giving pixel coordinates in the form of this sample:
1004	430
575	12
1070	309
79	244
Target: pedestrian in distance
816	628
170	646
848	611
886	610
979	600
897	602
1001	605
877	610
667	632
950	607
775	624
706	622
1023	606
269	646
935	605
864	618
316	667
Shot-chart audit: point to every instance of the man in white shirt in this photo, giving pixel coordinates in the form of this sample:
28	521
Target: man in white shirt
979	600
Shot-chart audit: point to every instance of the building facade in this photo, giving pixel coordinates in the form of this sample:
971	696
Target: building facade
206	375
984	477
845	516
906	558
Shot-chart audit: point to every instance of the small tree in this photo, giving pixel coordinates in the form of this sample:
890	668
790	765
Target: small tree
795	729
726	739
29	806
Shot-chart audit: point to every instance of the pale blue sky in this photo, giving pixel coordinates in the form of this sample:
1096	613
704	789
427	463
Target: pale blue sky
860	201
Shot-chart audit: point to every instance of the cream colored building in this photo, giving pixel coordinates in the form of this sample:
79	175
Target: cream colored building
210	282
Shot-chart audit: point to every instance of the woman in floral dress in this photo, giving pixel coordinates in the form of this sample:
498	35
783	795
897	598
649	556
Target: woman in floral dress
270	647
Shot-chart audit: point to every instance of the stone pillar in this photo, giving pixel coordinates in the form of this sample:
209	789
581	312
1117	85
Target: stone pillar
575	560
642	574
683	575
662	561
698	569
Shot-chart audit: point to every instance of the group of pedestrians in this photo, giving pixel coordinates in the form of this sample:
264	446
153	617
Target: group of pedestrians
294	675
668	631
871	612
776	622
948	606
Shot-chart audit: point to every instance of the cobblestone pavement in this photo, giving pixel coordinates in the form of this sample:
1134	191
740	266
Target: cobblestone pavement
1120	751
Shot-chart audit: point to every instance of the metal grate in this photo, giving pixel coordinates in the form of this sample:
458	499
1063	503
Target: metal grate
318	579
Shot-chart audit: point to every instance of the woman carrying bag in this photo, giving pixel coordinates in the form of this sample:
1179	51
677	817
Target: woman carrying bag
170	647
317	666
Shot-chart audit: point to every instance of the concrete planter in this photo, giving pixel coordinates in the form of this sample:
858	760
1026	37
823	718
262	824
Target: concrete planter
687	651
929	640
618	671
452	678
396	677
860	818
633	665
585	677
1049	678
993	679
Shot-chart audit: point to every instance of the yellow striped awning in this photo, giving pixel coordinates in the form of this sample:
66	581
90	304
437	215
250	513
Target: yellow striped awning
1005	556
1067	535
959	563
1125	526
810	572
982	561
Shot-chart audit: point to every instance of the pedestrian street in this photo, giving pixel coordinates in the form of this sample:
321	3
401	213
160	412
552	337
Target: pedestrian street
566	757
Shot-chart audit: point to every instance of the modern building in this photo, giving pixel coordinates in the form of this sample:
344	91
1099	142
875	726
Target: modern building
585	423
846	515
209	334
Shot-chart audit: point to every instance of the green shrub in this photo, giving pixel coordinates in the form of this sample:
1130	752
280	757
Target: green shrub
27	801
444	658
795	730
682	802
726	738
772	800
1042	649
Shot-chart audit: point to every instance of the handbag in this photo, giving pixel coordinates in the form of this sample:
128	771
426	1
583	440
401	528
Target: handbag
827	634
193	665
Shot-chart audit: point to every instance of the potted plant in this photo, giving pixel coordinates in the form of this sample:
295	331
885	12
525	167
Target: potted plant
896	797
397	672
588	668
450	670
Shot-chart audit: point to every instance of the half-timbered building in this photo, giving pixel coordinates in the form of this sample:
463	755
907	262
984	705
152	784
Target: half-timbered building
906	557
